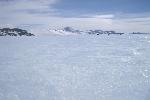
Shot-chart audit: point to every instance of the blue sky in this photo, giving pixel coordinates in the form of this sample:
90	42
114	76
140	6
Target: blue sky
103	6
41	15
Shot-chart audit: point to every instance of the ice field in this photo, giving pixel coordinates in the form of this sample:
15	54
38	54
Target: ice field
81	67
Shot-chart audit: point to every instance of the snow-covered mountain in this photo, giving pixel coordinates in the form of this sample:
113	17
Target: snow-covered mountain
65	31
72	31
14	32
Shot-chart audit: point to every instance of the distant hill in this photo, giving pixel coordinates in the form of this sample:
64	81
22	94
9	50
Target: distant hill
14	32
65	31
139	33
71	31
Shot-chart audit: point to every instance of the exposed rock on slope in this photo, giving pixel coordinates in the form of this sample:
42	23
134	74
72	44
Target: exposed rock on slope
14	32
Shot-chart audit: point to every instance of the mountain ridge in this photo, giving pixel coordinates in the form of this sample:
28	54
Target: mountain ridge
71	31
14	32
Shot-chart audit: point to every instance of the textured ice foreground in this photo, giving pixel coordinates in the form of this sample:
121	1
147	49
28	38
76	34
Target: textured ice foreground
75	68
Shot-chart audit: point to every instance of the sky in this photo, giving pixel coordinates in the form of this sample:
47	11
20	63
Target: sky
38	16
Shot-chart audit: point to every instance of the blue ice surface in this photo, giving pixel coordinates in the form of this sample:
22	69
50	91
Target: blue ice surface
75	67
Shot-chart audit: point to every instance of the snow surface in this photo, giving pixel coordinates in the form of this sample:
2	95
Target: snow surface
79	67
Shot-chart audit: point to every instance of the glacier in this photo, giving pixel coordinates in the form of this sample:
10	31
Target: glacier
78	67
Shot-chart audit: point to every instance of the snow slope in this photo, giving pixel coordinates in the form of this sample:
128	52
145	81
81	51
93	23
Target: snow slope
75	67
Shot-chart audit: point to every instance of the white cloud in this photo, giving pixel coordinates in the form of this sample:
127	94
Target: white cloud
18	12
109	16
137	24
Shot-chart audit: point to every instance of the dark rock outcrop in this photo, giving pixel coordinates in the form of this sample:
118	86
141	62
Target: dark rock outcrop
70	29
14	32
96	32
